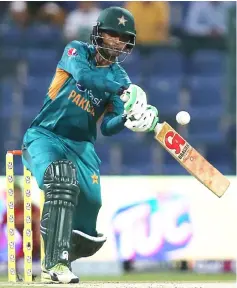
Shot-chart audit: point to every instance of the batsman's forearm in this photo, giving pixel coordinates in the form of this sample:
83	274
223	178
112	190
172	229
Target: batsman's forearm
111	126
93	80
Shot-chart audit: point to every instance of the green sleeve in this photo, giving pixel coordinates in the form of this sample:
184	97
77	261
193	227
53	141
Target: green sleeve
76	63
113	121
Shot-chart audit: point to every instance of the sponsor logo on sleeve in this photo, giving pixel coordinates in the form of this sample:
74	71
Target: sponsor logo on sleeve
72	52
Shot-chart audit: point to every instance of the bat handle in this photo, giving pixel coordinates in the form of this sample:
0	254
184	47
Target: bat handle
124	97
158	128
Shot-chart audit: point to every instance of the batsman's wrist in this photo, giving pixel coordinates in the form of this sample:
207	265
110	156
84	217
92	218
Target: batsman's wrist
153	125
124	117
121	90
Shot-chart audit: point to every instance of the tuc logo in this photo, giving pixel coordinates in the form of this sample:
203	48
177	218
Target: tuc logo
157	228
174	141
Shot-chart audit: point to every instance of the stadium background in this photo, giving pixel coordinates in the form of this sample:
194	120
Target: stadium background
187	72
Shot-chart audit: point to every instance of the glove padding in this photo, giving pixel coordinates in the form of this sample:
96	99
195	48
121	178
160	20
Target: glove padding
136	103
146	122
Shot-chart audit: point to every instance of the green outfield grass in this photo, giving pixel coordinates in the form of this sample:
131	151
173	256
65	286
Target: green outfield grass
165	276
158	277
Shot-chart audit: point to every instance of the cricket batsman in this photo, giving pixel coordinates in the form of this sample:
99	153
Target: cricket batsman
58	148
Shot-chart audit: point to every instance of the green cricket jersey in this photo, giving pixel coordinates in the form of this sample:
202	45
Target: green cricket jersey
80	93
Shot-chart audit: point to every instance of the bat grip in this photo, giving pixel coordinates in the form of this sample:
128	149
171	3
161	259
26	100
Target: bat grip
124	97
158	128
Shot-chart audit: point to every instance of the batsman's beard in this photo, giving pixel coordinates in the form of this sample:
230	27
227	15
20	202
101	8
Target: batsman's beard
110	53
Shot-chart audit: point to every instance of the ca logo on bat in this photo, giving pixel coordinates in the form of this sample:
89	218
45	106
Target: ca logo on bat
174	141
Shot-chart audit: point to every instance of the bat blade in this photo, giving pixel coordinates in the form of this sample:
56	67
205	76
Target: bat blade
191	159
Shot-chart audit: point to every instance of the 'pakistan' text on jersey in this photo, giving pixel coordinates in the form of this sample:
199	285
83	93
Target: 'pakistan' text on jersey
80	93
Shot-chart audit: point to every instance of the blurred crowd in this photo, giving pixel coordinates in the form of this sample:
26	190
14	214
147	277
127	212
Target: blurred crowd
156	21
184	59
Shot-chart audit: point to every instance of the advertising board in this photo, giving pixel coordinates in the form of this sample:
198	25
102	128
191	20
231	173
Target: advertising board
158	218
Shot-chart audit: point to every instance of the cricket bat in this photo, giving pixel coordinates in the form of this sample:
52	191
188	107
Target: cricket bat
188	157
191	159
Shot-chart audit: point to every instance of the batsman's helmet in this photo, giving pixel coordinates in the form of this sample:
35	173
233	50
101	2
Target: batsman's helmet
118	20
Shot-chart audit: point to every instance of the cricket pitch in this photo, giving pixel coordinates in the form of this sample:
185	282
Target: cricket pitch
96	284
